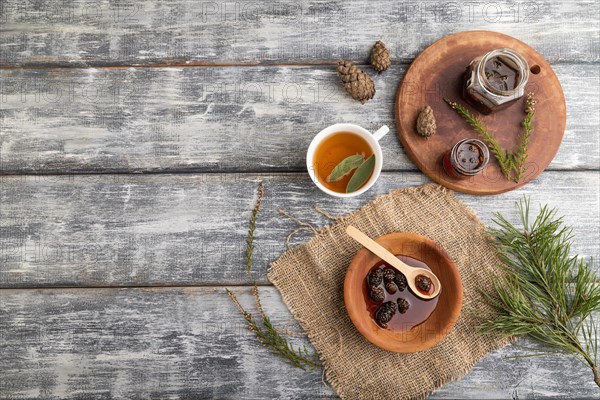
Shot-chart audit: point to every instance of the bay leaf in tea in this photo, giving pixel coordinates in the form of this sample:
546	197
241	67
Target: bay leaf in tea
361	175
346	166
333	150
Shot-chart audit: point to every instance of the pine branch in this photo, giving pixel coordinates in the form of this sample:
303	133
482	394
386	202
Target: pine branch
258	303
267	334
512	165
252	227
497	150
270	337
545	292
520	155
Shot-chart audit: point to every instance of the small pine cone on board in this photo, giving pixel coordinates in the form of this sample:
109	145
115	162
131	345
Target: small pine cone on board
356	81
426	122
380	57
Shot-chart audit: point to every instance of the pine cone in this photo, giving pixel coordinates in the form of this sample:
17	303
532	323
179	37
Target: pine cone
426	122
356	82
380	57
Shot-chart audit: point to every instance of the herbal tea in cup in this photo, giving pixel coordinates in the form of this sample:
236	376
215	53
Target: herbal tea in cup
345	160
340	146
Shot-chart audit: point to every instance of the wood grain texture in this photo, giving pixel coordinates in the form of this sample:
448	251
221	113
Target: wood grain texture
231	126
191	343
99	33
220	119
120	230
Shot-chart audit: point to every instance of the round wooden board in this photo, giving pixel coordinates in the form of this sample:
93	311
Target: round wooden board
437	73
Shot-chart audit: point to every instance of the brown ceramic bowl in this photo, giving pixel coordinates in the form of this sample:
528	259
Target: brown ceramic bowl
441	321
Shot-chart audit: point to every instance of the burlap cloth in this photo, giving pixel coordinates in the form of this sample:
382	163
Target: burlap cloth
310	278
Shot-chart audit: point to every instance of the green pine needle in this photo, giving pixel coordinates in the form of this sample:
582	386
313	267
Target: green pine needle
545	292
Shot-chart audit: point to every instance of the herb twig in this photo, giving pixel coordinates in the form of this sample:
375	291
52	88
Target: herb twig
520	155
512	165
545	292
252	227
497	150
270	337
264	330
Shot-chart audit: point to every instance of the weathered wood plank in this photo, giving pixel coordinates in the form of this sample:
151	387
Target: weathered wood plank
168	343
124	230
219	119
98	33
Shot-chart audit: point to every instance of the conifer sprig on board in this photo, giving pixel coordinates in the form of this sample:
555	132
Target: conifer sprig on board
512	165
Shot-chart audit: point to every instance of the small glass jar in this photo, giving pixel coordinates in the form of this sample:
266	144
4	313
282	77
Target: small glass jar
468	157
495	80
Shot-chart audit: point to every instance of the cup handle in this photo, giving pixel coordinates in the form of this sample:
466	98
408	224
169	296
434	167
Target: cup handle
381	132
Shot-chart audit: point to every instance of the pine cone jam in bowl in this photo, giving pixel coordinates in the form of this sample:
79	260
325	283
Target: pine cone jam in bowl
382	306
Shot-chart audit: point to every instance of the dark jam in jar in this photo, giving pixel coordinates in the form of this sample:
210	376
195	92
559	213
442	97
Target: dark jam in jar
468	157
408	309
495	80
500	74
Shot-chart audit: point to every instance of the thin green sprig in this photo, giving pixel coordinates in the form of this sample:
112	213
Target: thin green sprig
520	155
497	150
270	337
545	292
264	330
512	165
252	227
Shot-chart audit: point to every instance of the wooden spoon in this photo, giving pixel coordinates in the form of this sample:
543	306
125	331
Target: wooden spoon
411	273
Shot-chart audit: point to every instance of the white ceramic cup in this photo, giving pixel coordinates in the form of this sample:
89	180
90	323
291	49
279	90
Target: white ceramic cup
371	138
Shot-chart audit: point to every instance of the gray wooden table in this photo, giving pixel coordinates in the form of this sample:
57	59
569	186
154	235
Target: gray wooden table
132	138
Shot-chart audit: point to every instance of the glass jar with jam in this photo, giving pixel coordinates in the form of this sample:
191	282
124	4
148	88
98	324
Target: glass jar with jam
495	80
468	157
